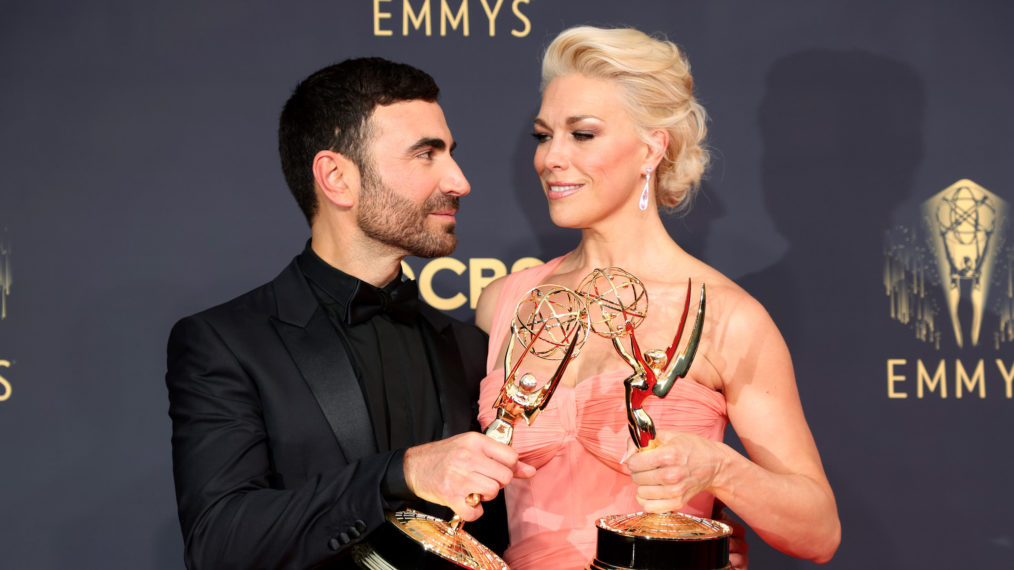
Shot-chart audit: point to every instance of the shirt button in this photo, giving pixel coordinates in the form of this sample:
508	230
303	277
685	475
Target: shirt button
333	544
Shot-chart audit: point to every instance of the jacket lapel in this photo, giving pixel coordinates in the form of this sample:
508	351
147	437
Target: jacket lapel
314	346
457	408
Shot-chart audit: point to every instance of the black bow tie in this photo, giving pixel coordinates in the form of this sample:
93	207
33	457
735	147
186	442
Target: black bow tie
401	303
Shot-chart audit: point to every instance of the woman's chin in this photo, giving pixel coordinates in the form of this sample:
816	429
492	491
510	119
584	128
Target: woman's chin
563	220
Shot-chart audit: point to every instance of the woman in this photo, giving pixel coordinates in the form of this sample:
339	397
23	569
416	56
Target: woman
619	136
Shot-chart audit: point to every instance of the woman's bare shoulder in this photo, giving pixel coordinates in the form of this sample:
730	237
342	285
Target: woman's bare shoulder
486	305
729	300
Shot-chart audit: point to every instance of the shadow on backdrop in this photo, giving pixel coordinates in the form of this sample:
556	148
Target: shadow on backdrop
842	138
691	230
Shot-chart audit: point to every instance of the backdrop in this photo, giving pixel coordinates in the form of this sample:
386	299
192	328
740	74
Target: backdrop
860	190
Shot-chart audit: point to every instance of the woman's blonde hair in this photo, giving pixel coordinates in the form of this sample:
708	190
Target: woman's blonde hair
654	75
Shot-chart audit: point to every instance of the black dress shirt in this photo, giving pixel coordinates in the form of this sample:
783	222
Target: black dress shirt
384	343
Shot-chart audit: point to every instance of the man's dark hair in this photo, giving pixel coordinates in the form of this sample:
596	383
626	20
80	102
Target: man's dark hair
331	109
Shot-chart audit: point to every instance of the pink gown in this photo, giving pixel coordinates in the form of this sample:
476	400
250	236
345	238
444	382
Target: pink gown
576	445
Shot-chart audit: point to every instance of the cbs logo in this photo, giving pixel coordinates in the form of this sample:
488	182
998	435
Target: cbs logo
437	273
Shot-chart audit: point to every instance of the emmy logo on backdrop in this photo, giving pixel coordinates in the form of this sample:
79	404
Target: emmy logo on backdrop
959	253
5	276
618	302
549	322
5	290
966	224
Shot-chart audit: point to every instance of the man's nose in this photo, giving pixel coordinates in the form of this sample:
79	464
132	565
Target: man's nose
454	181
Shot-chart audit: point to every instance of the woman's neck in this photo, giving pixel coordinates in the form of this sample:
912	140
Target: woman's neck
637	247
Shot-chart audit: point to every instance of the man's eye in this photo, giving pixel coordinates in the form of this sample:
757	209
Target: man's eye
426	154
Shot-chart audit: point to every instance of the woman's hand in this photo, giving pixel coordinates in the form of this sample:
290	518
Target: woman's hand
674	469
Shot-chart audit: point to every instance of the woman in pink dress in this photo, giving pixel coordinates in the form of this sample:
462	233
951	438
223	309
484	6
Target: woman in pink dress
619	137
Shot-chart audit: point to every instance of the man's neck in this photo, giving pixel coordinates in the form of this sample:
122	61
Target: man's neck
357	256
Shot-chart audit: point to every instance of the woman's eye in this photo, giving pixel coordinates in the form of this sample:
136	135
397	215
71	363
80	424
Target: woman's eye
583	136
540	137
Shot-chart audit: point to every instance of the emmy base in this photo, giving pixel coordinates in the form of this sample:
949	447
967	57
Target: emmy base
667	541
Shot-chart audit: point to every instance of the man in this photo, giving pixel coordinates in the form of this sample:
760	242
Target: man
305	409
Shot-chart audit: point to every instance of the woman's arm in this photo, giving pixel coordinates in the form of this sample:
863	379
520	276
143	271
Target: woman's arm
781	491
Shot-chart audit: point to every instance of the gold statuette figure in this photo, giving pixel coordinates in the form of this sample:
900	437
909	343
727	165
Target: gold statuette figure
649	541
549	322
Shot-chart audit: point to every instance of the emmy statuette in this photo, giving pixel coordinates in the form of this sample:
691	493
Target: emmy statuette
649	541
549	322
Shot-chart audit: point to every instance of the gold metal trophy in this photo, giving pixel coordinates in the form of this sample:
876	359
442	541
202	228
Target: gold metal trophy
549	322
649	541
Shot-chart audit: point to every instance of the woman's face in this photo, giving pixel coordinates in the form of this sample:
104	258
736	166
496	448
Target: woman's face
589	157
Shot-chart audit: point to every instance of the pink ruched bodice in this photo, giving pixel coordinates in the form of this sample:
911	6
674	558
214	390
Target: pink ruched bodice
576	445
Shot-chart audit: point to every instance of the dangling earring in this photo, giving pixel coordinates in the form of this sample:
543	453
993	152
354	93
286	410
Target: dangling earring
643	204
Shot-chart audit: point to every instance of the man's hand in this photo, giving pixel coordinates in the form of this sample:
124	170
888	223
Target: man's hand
445	472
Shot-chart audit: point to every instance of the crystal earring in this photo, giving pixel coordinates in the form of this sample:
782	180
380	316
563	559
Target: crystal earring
643	204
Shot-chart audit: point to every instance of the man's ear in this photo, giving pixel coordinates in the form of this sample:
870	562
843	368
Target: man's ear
337	177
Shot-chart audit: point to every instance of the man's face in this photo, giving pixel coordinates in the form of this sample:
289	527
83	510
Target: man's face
410	182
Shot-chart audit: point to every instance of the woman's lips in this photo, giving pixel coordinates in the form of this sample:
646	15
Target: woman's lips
556	191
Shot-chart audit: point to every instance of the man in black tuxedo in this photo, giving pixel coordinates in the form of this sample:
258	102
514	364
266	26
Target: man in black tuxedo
305	409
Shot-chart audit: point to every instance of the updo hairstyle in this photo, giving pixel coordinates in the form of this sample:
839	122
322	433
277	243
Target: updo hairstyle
654	75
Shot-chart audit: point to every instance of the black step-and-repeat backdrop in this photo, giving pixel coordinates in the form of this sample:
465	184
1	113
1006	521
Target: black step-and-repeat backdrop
861	189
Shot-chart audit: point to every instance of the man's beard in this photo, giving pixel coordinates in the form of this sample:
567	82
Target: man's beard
396	221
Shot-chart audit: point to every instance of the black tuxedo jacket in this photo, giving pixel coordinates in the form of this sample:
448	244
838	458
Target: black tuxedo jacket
274	457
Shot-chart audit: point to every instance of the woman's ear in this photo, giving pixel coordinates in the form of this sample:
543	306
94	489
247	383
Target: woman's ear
658	142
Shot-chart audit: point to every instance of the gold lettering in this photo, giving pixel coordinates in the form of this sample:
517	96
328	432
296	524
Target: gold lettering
416	19
426	283
477	281
962	380
1008	375
5	386
528	24
892	378
939	379
481	272
491	15
407	270
377	17
461	19
525	263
